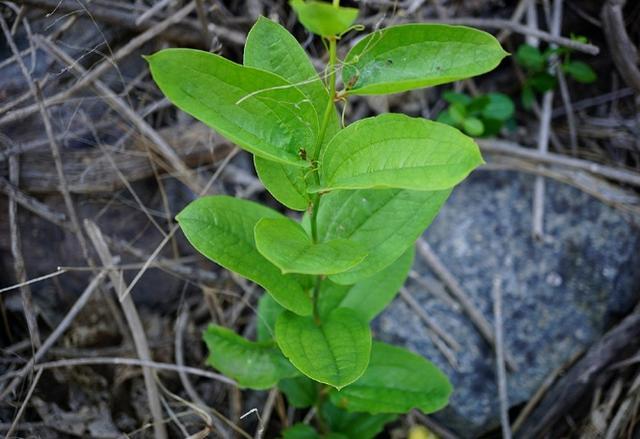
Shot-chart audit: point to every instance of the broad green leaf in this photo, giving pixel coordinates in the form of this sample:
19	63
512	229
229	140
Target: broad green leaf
259	111
445	117
334	352
285	243
528	97
301	392
398	151
355	425
542	82
453	97
221	228
477	104
369	296
404	57
385	222
272	48
396	381
323	18
530	58
458	112
580	71
473	126
268	312
499	106
285	182
256	365
300	431
492	127
304	431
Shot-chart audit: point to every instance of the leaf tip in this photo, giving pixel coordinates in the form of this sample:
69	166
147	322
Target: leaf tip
150	58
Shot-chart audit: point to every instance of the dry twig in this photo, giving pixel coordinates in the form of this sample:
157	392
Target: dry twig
135	325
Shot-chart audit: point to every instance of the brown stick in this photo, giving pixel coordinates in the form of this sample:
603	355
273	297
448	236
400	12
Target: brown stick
513	149
501	372
623	52
135	325
16	246
544	132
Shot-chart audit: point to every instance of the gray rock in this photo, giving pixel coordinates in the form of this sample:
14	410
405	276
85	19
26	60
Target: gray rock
558	296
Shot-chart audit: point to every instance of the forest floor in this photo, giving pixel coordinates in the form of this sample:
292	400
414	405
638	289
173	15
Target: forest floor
95	164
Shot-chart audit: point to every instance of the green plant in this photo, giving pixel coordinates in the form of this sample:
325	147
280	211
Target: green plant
537	64
484	115
368	191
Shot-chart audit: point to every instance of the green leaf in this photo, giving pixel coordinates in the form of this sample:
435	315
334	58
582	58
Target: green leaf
268	312
398	151
473	126
477	105
300	431
334	352
499	106
221	228
445	117
385	222
304	431
254	365
369	296
492	127
530	58
323	18
457	112
401	58
355	425
285	243
272	48
396	381
257	110
453	97
528	97
301	392
580	71
285	182
542	82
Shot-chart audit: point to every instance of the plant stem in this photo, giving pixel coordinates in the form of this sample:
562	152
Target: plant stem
315	200
322	395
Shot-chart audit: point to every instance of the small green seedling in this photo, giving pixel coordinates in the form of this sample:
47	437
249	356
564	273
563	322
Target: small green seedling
537	63
482	116
368	191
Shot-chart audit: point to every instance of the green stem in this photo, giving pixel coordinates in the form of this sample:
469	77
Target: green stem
315	200
322	424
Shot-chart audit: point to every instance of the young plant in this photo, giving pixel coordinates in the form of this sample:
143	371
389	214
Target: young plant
482	116
537	63
368	191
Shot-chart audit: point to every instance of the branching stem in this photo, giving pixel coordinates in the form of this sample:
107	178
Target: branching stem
315	200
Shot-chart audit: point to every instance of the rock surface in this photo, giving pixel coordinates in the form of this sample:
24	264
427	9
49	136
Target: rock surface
559	295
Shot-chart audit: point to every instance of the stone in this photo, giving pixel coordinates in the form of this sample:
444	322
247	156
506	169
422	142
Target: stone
559	295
